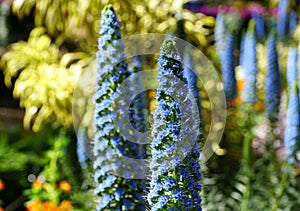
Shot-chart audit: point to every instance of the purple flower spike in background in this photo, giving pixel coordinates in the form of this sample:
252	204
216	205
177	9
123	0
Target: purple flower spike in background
293	21
292	131
191	78
273	79
82	156
219	33
259	25
228	72
282	21
248	64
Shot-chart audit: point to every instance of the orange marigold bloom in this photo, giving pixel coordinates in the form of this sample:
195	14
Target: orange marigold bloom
50	206
151	94
65	186
37	184
240	84
65	205
35	205
1	209
2	185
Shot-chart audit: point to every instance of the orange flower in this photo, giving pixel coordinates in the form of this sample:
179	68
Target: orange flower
50	206
37	184
152	108
259	106
65	186
151	94
240	84
65	205
1	209
236	101
35	205
2	185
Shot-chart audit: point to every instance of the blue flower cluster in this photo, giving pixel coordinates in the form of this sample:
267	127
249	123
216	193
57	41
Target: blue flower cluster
259	25
292	131
282	22
219	33
272	81
225	38
228	61
138	110
293	21
298	66
115	193
175	171
191	77
248	59
81	154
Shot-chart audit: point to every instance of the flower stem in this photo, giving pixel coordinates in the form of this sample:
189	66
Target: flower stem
247	170
282	186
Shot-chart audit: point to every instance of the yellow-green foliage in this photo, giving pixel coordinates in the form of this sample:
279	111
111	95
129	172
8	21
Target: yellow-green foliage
78	20
47	73
45	81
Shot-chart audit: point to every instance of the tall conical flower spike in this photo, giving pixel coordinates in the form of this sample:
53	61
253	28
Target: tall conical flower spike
282	19
292	130
81	154
249	65
115	192
272	81
219	33
225	45
227	62
293	21
175	179
298	66
259	25
191	77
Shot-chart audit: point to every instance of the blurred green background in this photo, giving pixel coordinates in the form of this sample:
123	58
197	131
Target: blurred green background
45	45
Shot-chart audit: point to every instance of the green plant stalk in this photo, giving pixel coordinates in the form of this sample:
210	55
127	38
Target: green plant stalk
53	161
51	172
279	192
247	170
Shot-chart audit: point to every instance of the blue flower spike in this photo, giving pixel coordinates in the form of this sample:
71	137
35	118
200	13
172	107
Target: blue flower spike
114	192
292	130
175	179
248	65
273	79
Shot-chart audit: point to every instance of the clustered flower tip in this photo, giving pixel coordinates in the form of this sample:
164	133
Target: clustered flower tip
248	64
273	80
282	23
